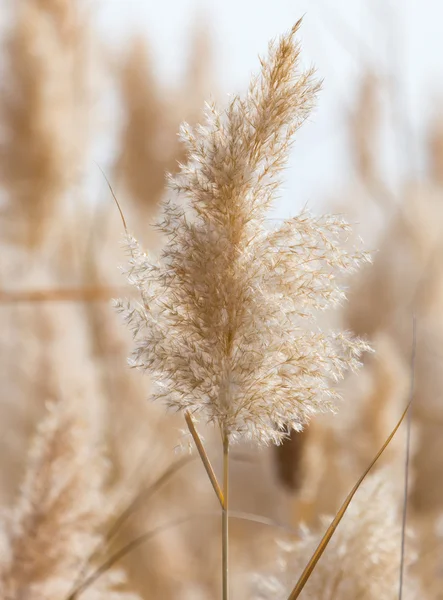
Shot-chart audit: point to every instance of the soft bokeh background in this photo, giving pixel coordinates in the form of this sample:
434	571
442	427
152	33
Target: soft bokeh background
98	89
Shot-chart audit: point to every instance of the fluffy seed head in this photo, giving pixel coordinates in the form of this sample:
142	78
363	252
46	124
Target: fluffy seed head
46	539
226	325
362	560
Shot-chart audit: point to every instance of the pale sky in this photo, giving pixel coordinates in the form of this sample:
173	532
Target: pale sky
402	38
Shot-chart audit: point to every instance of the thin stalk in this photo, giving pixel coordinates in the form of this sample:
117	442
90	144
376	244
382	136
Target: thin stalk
225	518
204	457
407	458
145	537
304	577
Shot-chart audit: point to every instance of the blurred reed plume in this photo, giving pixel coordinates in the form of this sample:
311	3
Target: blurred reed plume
362	560
42	114
57	519
149	146
145	155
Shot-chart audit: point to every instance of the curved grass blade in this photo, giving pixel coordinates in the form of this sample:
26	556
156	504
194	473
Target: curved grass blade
205	459
145	537
134	505
407	461
304	577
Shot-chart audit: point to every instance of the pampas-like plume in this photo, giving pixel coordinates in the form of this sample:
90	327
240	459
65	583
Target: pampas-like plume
224	325
40	100
435	150
53	527
147	145
364	128
363	557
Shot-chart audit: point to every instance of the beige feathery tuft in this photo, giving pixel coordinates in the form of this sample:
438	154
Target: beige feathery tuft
41	99
54	525
362	560
151	114
227	327
146	142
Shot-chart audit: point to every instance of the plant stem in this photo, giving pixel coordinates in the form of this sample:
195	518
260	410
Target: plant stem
204	457
221	495
304	577
225	517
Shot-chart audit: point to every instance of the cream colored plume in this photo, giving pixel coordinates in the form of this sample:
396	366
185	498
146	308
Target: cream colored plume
227	325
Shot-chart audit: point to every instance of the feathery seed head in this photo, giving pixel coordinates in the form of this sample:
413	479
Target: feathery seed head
226	325
362	560
56	522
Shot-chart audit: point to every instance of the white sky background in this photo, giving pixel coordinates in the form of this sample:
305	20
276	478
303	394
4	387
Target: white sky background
403	37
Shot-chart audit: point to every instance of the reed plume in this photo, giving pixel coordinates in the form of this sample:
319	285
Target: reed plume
146	144
227	327
364	129
149	143
40	104
55	523
336	451
435	150
362	560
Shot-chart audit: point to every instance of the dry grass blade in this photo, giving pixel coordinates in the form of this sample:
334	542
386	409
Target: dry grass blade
141	539
304	577
407	460
115	198
130	510
123	552
146	494
205	459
